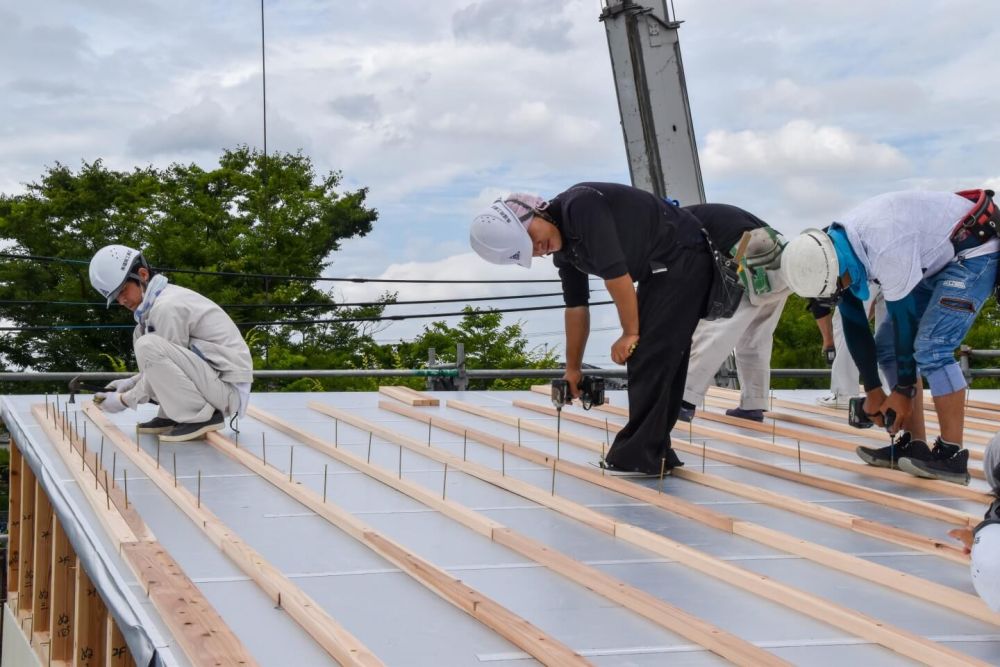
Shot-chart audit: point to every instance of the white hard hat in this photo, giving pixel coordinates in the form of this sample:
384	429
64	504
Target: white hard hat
111	266
498	236
809	265
985	560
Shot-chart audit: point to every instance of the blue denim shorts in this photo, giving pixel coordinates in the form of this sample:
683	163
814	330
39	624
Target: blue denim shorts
947	304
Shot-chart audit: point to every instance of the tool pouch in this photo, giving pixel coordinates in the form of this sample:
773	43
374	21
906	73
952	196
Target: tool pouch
726	291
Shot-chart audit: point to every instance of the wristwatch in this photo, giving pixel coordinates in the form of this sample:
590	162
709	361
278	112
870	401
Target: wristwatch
909	391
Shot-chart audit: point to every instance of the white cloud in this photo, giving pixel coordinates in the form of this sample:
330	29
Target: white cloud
798	147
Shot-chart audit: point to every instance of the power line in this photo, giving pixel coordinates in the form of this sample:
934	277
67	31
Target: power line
285	323
274	276
355	304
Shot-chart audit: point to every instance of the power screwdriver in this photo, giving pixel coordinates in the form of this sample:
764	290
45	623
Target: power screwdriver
858	418
591	392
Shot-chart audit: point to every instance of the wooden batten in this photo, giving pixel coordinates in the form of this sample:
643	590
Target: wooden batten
912	505
508	625
198	628
637	600
407	395
329	634
896	476
915	586
14	525
828	515
62	609
901	641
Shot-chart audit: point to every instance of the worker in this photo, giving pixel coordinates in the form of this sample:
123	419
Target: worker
750	331
982	543
622	235
934	254
192	359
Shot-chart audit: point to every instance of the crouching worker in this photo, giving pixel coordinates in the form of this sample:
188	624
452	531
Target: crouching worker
192	359
983	541
622	235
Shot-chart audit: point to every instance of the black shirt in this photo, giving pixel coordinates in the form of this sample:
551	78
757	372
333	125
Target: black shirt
725	223
609	230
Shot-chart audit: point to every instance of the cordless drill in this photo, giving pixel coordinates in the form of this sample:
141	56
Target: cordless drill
858	418
591	392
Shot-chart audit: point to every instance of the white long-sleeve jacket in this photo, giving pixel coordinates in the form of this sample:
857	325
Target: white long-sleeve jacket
197	323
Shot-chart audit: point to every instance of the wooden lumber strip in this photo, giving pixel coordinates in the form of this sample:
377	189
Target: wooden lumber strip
329	634
897	476
660	612
874	434
828	515
928	591
849	620
911	505
515	629
198	628
980	425
14	528
408	396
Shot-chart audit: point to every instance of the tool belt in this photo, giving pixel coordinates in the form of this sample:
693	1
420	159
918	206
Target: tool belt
977	226
726	291
980	224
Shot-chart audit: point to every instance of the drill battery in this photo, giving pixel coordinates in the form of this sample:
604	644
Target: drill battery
591	392
856	416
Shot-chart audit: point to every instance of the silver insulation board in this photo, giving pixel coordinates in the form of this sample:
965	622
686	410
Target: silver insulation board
405	624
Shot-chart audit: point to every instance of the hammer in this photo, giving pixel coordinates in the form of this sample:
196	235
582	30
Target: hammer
76	385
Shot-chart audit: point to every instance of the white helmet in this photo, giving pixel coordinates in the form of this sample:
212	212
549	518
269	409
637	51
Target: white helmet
111	266
498	236
985	561
809	265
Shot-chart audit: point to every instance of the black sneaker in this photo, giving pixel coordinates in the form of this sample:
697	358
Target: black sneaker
752	415
888	457
156	425
947	462
185	432
687	411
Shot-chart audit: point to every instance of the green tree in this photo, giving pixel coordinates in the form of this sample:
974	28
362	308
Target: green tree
797	344
252	214
488	344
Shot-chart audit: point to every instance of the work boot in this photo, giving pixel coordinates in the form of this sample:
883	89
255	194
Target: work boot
687	412
185	432
888	457
740	413
948	462
156	425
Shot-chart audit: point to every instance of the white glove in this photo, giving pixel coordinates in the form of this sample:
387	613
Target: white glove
110	401
123	384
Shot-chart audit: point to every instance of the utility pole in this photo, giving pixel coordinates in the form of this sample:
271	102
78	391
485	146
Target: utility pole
652	99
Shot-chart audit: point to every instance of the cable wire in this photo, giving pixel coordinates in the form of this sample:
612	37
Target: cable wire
354	304
272	276
284	323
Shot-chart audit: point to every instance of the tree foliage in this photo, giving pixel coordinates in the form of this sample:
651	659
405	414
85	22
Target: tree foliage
252	214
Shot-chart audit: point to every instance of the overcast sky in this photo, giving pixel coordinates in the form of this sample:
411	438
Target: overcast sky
801	108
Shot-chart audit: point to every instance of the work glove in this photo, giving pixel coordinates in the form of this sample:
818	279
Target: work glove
123	384
109	401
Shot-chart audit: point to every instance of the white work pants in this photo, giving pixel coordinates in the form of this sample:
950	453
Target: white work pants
186	387
751	332
844	375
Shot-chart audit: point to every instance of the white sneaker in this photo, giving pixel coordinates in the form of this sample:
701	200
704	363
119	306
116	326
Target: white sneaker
834	401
